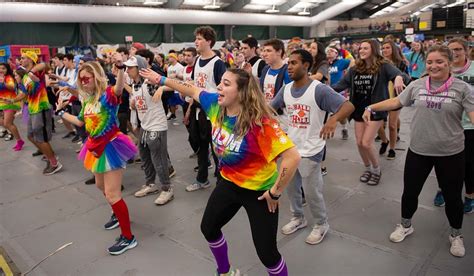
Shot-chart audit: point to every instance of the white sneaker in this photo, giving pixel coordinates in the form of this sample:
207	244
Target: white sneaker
232	272
294	224
457	246
165	197
400	233
197	186
317	235
147	190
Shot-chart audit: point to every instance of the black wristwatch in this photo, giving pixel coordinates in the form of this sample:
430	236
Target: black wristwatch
274	197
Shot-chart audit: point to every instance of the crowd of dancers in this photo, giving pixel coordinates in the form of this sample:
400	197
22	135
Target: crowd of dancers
260	116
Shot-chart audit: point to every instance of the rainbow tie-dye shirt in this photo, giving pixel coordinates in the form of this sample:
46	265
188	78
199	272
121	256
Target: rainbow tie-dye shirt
36	93
250	161
100	118
8	92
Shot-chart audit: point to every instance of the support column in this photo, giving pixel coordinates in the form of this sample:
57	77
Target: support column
85	37
228	31
272	32
306	32
168	33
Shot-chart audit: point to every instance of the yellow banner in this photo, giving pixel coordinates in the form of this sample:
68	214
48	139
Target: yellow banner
3	52
423	25
36	50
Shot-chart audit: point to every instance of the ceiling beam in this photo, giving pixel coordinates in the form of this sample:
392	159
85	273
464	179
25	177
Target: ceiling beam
288	5
324	6
381	7
237	5
173	4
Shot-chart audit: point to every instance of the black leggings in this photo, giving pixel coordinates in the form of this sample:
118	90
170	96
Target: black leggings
223	204
450	174
469	150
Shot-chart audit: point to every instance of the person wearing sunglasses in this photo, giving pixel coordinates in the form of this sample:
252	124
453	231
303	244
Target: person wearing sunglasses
107	150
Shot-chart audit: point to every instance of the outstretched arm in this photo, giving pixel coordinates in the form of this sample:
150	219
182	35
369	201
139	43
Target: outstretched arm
180	86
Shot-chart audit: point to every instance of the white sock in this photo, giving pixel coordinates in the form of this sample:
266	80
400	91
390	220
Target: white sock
375	170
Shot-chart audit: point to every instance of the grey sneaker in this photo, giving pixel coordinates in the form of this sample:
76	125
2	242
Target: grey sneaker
294	224
457	246
317	235
165	197
400	233
49	170
147	190
197	186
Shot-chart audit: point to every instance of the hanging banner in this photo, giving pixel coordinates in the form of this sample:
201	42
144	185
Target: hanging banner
4	53
105	49
35	50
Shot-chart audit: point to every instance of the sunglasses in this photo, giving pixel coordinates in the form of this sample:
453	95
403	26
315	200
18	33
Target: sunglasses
85	80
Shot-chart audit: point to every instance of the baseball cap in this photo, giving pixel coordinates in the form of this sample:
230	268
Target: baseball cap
138	45
136	61
31	55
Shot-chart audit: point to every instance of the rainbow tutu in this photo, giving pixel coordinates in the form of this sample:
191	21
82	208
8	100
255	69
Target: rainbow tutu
115	155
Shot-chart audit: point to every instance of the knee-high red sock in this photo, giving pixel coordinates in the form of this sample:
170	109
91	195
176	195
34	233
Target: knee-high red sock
121	212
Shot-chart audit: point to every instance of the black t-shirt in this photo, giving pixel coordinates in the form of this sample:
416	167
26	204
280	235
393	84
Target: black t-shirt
363	88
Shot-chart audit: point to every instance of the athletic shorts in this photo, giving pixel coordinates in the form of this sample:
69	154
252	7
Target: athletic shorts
40	126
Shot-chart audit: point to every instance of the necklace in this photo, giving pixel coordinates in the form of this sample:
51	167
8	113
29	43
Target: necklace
463	69
431	103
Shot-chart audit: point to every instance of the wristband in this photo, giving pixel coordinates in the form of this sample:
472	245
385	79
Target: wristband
121	67
61	113
370	110
274	197
162	81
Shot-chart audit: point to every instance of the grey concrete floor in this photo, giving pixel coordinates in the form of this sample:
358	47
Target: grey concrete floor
38	214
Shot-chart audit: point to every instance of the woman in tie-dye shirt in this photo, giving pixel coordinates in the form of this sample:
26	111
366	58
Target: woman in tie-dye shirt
248	140
107	150
8	92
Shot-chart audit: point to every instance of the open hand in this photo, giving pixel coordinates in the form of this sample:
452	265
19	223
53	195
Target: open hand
271	203
151	76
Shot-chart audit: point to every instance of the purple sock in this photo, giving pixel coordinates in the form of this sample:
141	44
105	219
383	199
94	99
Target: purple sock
219	250
279	270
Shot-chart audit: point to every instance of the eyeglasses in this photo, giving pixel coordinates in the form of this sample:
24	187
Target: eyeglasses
85	80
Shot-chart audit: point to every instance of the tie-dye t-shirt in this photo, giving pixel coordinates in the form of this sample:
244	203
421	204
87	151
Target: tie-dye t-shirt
36	93
100	118
8	92
250	161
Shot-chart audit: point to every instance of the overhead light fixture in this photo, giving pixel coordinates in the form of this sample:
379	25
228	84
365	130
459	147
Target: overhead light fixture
213	6
304	12
272	10
152	3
